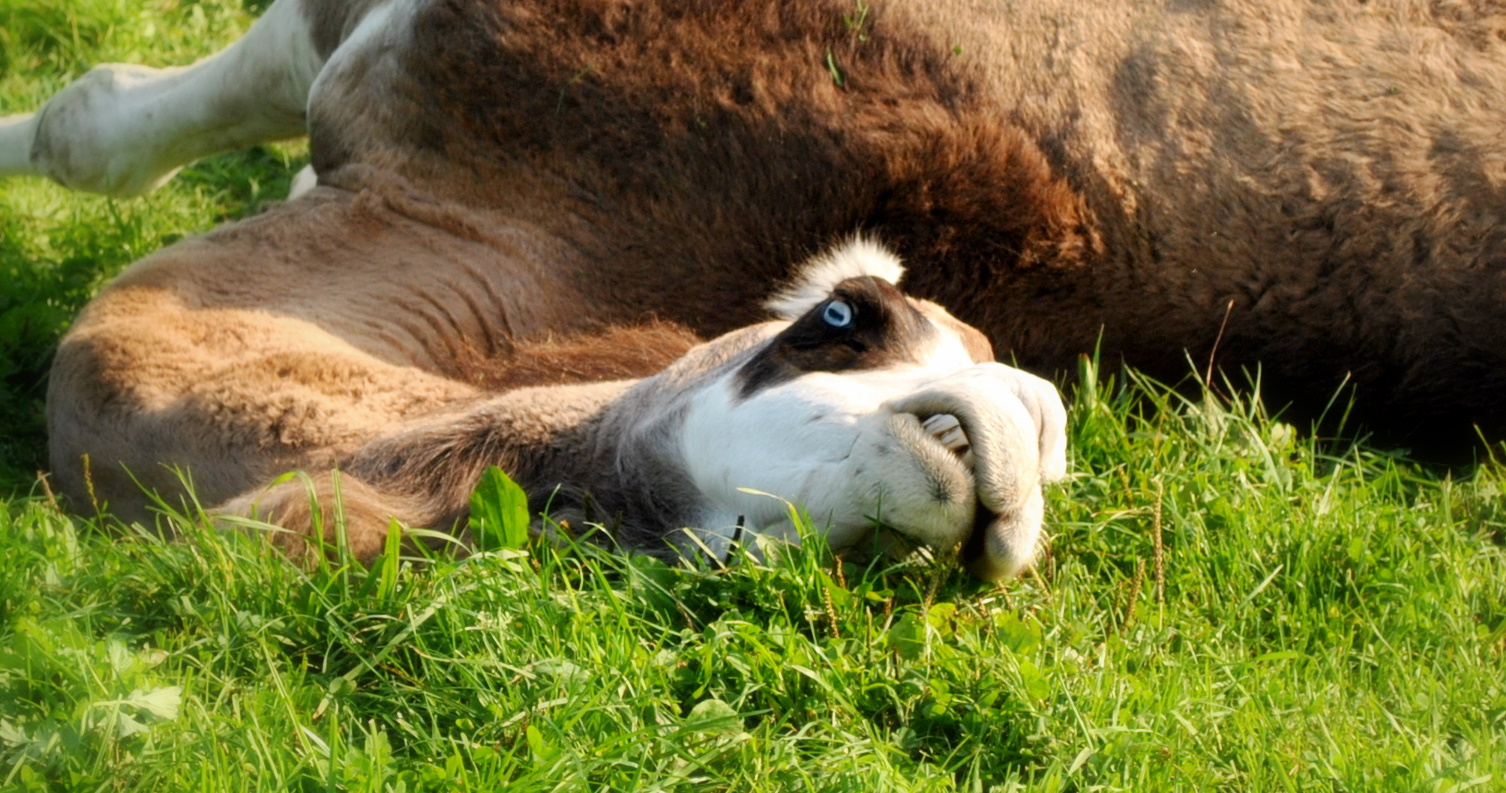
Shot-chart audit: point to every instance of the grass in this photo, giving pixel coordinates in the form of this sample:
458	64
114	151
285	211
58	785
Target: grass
1226	603
56	247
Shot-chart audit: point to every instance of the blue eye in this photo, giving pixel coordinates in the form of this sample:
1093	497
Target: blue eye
837	314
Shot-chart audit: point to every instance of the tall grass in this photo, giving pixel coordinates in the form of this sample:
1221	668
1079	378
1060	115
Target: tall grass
1226	603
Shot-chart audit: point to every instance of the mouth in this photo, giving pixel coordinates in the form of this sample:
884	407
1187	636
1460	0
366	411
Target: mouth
947	431
942	507
974	551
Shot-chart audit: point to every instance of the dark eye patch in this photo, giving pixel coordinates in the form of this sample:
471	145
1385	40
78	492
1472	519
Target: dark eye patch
866	324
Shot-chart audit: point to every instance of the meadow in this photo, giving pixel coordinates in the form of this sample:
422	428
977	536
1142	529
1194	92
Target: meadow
1227	602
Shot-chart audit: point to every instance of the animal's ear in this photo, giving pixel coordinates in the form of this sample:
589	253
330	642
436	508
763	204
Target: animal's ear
854	257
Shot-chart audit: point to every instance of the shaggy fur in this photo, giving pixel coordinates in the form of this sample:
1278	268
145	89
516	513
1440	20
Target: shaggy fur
393	375
1313	189
1067	176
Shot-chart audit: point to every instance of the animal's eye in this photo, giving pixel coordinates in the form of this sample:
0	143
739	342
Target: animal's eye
837	314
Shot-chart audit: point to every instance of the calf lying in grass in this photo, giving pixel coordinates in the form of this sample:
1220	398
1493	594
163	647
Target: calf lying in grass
1310	190
253	351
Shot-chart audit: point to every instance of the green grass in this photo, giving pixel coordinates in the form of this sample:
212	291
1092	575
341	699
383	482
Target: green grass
1313	616
56	247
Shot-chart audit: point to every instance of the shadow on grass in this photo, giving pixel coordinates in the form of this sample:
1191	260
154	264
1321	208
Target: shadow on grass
58	249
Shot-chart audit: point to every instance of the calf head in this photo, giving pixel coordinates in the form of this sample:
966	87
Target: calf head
870	408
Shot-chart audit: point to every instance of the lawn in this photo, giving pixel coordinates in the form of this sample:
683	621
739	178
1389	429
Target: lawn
1226	603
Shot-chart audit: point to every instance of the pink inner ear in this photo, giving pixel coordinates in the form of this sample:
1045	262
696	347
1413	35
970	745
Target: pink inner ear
978	347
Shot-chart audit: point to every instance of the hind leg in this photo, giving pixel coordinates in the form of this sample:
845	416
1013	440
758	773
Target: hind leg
123	130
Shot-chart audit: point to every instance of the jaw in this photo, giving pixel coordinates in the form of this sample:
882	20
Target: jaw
1003	546
930	497
893	474
844	457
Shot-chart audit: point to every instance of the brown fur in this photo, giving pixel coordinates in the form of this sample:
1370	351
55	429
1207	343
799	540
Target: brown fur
226	356
1065	175
613	354
508	183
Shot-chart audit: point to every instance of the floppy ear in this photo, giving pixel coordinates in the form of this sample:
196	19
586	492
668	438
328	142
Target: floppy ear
854	257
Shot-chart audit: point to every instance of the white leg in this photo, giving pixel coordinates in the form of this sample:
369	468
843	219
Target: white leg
16	135
124	130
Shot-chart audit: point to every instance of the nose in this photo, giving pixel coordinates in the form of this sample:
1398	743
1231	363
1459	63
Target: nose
1008	427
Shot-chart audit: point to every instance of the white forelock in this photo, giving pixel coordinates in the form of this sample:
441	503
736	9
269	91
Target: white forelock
856	256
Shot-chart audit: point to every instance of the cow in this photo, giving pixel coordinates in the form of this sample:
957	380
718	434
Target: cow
1308	191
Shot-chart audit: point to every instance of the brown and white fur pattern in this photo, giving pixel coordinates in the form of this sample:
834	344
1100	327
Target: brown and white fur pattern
1313	188
515	193
861	404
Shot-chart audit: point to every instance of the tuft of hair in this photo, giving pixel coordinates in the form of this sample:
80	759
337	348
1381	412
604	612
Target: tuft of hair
854	257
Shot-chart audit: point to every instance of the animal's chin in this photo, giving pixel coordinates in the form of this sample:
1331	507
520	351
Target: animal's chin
894	542
1001	546
938	504
928	492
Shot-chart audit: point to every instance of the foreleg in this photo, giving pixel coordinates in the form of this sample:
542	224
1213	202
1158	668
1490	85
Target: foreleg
424	475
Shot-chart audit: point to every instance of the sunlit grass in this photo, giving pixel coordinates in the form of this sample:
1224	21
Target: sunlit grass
57	247
1314	618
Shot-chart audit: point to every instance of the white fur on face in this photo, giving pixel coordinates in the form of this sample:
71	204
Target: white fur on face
850	448
925	440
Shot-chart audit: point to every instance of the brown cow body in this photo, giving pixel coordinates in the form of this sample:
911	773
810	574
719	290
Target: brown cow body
1316	189
1326	183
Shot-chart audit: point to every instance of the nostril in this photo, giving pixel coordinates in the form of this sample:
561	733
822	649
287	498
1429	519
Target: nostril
947	430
